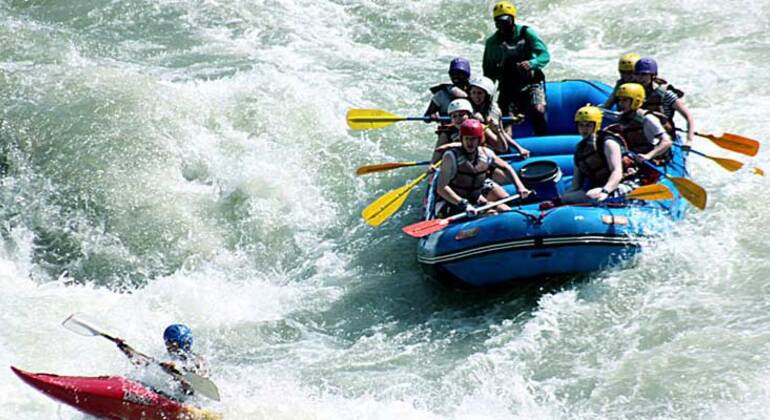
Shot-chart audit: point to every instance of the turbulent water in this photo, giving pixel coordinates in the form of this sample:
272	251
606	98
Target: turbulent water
189	161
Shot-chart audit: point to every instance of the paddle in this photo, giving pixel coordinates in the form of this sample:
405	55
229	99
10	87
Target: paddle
366	119
379	167
728	141
732	142
691	191
384	207
729	164
650	192
426	227
203	386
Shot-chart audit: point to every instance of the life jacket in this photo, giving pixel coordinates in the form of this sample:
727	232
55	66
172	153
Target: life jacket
442	96
590	159
517	51
630	128
471	174
654	97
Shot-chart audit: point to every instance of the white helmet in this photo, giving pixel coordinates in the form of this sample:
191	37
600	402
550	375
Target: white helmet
484	83
459	105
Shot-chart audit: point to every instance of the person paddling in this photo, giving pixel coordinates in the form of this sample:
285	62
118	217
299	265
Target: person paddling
482	94
459	111
178	339
464	183
443	94
598	172
626	65
661	96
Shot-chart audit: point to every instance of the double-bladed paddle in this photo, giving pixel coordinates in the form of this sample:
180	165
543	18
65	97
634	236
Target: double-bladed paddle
199	384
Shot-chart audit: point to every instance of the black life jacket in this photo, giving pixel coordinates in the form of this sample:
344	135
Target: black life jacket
471	174
654	97
630	129
590	159
519	50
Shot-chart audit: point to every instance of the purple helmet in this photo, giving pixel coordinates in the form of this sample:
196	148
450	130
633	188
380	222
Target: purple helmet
460	64
646	65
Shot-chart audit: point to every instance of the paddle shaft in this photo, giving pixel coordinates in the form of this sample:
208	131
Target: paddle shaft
483	208
507	156
198	383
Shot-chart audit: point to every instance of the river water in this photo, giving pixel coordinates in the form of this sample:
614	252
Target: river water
188	161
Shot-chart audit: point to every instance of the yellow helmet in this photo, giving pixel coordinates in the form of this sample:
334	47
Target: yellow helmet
590	113
627	62
504	8
635	91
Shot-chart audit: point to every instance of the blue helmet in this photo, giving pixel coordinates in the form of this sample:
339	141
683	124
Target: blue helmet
646	65
460	64
179	334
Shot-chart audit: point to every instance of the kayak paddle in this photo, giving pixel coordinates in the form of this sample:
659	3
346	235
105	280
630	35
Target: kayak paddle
426	227
384	207
199	384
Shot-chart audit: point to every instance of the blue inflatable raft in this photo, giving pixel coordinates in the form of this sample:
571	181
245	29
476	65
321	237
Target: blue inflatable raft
534	241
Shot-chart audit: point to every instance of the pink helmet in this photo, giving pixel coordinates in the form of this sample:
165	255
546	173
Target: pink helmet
473	128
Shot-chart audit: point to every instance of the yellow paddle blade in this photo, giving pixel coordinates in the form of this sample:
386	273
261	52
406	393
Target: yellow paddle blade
367	169
365	119
758	171
384	207
691	191
651	192
734	142
729	164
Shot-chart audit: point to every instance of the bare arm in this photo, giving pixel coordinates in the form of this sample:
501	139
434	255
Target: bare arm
448	171
511	174
615	162
577	179
663	145
680	107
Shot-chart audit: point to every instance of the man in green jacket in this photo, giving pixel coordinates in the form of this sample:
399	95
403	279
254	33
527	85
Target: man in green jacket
515	57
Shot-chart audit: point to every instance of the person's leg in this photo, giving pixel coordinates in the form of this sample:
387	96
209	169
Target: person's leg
494	192
536	111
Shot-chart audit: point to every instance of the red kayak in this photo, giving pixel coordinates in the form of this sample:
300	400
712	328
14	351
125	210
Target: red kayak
112	397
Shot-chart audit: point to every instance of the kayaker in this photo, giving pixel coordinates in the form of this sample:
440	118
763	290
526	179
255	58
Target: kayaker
598	161
178	339
463	182
443	94
662	97
486	110
626	65
515	57
459	111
